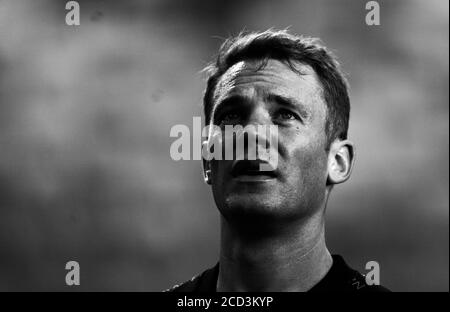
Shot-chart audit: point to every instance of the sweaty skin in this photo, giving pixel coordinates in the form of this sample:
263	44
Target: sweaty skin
272	230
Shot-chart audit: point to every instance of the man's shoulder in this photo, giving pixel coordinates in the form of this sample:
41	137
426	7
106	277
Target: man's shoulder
343	278
340	278
358	282
204	282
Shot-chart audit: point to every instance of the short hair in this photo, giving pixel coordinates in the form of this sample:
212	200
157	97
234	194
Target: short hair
287	48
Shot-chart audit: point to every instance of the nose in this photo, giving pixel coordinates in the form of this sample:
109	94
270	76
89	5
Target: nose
256	138
259	115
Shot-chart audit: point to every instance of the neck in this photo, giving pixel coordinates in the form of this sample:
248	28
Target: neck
292	259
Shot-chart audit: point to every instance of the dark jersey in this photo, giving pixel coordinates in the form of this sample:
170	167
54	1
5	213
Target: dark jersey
340	278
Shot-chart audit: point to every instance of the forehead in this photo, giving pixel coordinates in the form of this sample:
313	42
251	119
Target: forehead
246	78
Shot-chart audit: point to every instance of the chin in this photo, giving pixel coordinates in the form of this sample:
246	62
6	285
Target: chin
253	207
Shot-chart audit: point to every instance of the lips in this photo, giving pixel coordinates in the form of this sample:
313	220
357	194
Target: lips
252	169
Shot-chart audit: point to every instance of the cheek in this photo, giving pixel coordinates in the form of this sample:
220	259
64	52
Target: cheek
306	185
219	172
309	161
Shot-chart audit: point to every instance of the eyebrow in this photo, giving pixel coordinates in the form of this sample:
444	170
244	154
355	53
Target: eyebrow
229	102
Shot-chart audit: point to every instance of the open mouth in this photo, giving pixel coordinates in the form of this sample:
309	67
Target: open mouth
250	170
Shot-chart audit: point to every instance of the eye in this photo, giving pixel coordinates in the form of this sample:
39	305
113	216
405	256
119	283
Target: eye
229	118
285	114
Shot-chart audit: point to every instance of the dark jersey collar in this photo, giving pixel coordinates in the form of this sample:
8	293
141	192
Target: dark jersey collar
340	277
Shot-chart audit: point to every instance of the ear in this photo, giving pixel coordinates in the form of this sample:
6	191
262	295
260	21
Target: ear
206	166
341	160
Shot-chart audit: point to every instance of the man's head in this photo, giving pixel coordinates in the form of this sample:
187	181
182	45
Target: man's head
275	78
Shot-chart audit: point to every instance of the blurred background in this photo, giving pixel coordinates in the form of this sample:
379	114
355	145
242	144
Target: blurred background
85	115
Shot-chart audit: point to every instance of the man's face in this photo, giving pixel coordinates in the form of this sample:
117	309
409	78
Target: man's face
274	95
